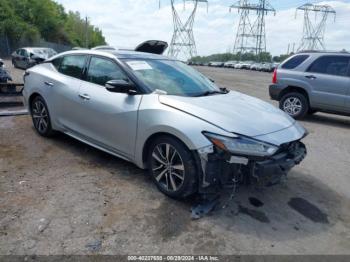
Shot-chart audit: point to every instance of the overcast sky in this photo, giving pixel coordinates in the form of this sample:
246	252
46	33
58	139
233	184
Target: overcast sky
127	23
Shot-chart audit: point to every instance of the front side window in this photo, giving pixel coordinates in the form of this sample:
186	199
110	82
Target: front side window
103	70
331	65
72	65
173	77
294	61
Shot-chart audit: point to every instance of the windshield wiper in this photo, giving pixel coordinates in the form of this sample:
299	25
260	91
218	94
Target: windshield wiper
213	92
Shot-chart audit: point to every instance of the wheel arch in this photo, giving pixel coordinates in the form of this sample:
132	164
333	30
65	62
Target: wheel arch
31	98
152	137
296	89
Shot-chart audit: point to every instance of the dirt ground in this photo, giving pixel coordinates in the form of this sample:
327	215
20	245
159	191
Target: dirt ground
59	196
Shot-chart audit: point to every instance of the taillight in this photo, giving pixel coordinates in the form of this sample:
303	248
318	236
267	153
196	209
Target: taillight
274	77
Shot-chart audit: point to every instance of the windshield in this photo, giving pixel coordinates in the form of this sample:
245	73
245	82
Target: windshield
173	77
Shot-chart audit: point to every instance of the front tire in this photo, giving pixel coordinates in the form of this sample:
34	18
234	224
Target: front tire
172	167
41	117
294	104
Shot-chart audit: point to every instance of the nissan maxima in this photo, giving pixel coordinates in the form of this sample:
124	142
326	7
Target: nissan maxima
164	116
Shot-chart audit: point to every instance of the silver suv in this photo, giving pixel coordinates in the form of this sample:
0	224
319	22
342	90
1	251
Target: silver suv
313	81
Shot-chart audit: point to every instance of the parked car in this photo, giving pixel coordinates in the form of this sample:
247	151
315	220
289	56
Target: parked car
29	56
244	65
164	116
230	64
313	81
4	74
216	64
259	66
255	66
267	67
238	65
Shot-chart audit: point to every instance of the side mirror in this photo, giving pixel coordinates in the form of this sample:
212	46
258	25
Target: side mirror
121	86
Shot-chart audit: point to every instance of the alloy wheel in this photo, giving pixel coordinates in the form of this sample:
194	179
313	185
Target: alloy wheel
40	116
292	106
167	167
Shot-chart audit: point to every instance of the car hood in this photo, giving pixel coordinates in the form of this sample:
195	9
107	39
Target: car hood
234	112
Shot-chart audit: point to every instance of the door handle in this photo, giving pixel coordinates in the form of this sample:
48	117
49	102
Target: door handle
48	83
312	77
84	96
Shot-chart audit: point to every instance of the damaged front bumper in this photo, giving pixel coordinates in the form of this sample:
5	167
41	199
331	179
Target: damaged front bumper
222	169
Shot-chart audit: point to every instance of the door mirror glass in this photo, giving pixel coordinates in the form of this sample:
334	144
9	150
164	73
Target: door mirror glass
121	86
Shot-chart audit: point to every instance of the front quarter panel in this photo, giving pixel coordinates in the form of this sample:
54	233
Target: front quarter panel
155	118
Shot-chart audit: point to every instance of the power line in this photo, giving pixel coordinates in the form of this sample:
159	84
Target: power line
251	35
314	30
183	43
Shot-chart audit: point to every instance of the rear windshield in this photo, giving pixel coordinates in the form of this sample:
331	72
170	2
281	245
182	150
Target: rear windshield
294	61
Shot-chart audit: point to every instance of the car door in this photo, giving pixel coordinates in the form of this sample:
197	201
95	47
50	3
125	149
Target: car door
110	118
65	91
329	81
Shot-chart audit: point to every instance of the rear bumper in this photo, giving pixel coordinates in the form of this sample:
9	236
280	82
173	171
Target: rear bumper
275	91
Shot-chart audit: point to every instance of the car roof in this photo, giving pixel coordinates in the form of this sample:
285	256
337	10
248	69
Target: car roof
323	52
120	54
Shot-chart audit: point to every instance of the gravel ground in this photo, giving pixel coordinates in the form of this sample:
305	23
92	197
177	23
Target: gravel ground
59	196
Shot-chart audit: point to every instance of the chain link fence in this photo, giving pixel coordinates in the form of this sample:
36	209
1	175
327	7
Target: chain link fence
7	47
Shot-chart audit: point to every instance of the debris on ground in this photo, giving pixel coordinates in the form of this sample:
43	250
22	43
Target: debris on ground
204	207
94	246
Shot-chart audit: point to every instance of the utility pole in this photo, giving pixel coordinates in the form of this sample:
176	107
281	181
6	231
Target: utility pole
183	44
314	31
251	36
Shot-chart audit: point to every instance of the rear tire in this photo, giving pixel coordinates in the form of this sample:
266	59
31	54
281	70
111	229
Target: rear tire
41	117
294	104
172	167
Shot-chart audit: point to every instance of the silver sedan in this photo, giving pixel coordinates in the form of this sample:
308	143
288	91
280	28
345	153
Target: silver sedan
164	116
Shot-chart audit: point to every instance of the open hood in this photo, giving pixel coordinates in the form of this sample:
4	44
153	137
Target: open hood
152	46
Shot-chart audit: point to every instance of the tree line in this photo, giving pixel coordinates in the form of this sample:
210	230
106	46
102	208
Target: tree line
31	20
224	57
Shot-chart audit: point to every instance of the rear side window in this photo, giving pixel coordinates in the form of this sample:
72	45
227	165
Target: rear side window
72	65
103	70
331	65
294	61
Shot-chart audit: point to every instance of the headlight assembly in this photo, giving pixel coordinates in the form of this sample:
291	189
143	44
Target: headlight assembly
242	145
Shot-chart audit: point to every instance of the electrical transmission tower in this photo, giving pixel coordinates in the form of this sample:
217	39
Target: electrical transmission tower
182	44
251	35
313	31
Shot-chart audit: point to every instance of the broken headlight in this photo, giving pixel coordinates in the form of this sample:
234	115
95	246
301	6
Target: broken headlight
242	145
